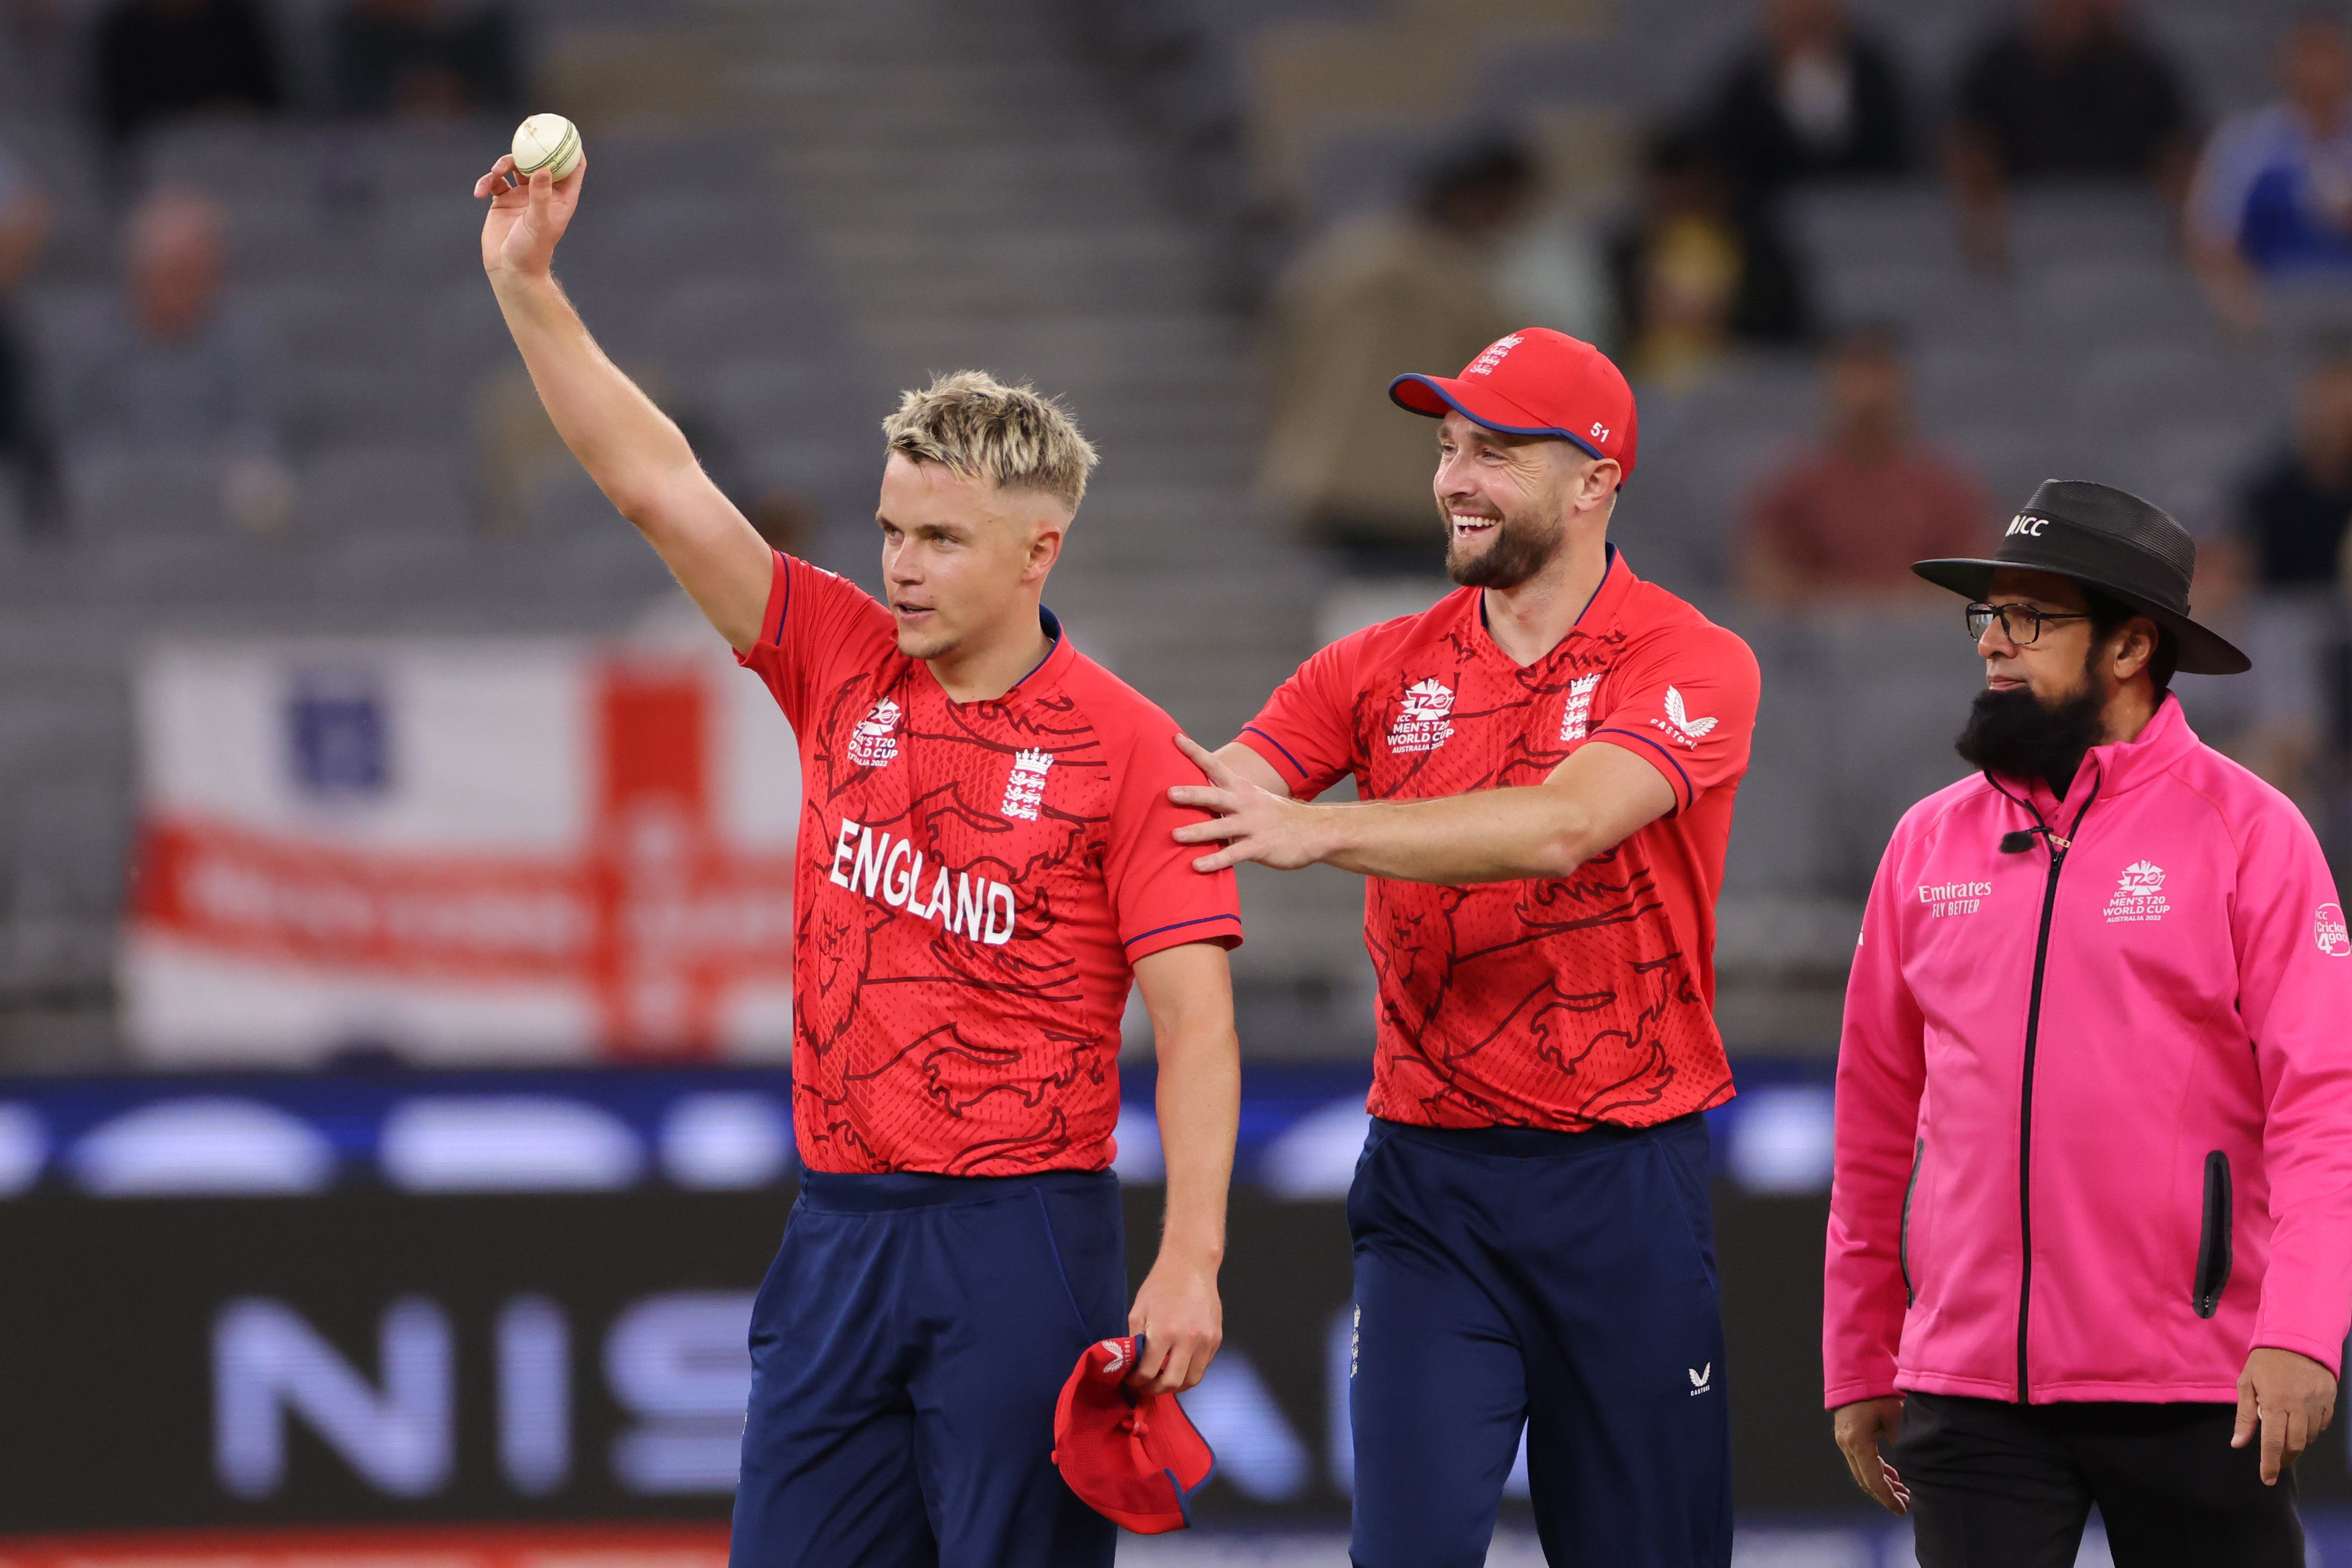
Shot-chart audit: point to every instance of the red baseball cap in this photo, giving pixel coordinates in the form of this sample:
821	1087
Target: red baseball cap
1135	1460
1535	382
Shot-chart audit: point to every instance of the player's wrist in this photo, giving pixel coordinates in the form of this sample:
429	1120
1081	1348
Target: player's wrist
1327	830
1198	1253
514	280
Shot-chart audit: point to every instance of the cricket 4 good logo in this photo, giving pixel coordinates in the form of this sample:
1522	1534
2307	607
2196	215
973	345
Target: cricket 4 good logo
892	871
875	741
1024	791
1678	724
1484	365
1421	724
2327	928
2138	896
1576	718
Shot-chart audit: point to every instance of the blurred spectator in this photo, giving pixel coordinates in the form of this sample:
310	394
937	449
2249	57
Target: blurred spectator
173	370
2292	512
1694	275
2286	544
2068	91
158	59
24	229
1846	520
1812	97
2272	197
423	59
1377	297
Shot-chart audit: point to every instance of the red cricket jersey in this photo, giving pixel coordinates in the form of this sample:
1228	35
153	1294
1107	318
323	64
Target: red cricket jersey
1551	1003
976	881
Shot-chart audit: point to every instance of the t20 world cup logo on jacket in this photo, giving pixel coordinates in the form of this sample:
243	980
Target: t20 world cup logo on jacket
1421	722
875	741
2139	895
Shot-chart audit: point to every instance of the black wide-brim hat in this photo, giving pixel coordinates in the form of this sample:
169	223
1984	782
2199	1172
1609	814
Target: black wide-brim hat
2108	539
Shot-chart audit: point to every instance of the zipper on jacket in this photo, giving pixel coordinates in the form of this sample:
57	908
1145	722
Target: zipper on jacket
1903	1246
2213	1241
2058	848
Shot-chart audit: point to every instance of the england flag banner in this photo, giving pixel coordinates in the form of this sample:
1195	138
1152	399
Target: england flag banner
476	851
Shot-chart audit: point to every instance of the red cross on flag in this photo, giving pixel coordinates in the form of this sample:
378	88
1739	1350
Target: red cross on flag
460	851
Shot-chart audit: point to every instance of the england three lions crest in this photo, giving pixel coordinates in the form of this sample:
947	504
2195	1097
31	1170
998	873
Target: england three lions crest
1025	791
1576	718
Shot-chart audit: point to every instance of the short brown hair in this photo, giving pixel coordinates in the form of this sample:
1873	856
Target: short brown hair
975	426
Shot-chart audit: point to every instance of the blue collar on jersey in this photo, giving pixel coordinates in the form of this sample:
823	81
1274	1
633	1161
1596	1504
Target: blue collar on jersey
1051	624
1608	565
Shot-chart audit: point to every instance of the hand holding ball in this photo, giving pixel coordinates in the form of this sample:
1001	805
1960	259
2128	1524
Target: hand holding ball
546	142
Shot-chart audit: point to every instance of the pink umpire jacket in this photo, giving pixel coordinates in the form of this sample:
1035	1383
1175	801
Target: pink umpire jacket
2094	1091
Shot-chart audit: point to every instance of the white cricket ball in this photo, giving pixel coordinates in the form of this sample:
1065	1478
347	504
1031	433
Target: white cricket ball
546	142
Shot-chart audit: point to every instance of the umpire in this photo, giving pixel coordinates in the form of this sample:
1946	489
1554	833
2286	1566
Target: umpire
2091	1235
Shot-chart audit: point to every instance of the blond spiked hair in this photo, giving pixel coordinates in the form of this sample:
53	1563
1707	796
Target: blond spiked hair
1011	436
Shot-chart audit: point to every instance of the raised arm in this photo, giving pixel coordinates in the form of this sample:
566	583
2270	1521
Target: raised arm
632	449
1589	805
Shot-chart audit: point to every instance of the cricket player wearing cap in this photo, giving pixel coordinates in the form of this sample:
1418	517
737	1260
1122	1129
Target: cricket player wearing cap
1545	765
985	871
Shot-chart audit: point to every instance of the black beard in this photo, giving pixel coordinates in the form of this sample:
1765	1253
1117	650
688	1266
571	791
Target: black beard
1520	550
2016	732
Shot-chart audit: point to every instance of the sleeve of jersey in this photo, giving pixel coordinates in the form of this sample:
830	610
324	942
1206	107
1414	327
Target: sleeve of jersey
813	621
1688	707
1305	731
1156	896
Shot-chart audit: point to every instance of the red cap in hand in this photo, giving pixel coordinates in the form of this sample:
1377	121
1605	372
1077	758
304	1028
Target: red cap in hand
1535	382
1134	1459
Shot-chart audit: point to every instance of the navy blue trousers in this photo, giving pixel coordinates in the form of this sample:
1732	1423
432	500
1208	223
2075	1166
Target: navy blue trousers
1561	1284
908	1347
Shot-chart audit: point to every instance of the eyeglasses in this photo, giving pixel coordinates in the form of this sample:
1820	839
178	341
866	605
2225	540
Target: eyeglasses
2021	623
